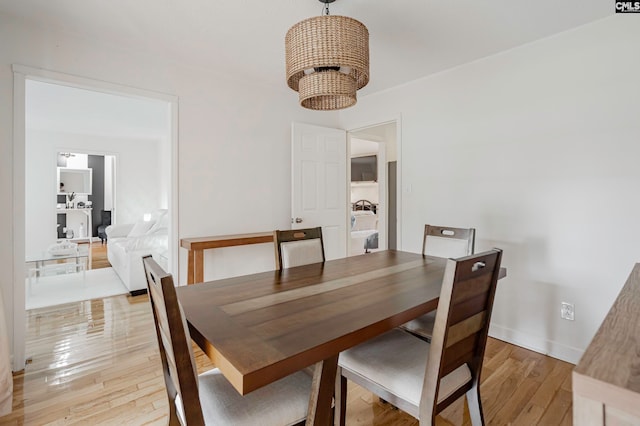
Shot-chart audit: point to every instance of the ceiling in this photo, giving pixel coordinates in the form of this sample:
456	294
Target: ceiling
409	39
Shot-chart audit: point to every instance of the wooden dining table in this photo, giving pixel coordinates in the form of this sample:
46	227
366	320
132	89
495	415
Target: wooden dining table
262	327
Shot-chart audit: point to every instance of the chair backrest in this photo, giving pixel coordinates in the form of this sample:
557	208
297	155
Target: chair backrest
432	233
175	347
298	247
461	325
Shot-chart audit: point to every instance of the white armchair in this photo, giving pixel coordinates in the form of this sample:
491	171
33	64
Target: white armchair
119	231
128	243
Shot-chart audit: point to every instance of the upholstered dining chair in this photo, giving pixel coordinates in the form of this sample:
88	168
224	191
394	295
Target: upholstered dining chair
443	241
209	398
424	378
442	234
297	247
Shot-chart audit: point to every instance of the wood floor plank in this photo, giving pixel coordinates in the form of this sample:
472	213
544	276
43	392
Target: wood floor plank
567	420
516	403
500	387
566	383
557	409
97	362
99	256
494	362
455	413
550	376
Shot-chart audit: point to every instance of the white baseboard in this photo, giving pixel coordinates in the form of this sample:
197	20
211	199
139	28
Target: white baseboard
537	344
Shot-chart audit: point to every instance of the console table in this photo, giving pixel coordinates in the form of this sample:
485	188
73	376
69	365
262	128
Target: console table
197	246
606	381
87	211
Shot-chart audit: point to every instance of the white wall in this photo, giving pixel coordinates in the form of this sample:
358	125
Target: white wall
137	177
538	149
365	191
234	141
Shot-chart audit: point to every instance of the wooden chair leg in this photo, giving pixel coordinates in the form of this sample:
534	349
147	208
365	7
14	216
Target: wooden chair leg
340	406
475	406
322	392
174	420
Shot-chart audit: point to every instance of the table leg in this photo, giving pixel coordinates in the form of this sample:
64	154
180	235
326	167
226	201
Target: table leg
340	397
322	388
190	267
199	266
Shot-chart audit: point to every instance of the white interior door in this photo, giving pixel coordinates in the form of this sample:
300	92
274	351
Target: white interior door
319	184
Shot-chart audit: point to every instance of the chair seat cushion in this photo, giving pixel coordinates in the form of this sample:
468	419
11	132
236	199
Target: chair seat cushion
397	361
422	326
283	402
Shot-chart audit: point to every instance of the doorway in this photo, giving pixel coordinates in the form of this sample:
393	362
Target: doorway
373	188
68	132
84	138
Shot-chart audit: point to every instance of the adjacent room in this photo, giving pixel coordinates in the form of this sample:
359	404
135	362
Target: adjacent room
373	188
319	212
92	160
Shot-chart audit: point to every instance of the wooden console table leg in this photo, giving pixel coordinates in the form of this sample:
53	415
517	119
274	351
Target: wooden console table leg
191	268
199	266
322	388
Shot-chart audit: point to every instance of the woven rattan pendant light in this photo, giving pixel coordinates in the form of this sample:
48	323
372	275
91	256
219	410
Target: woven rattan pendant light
327	60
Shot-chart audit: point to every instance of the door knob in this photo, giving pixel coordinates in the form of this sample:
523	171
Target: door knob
298	220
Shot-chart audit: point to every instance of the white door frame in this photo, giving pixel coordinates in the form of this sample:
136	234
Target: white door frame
20	75
398	122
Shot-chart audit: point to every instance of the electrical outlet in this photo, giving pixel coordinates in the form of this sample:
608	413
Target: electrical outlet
567	311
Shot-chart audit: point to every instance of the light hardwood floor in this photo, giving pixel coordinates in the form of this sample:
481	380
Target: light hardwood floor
99	256
97	362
